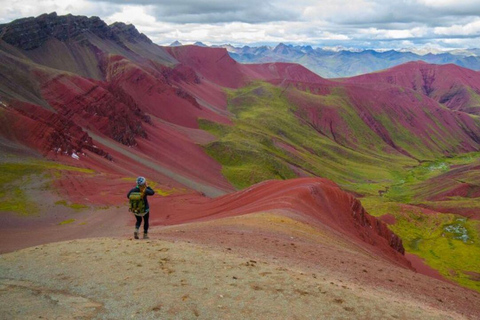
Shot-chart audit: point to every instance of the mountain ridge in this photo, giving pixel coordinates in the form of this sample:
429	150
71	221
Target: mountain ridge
344	63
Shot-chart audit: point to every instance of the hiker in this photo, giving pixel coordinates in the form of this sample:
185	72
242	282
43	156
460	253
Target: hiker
139	205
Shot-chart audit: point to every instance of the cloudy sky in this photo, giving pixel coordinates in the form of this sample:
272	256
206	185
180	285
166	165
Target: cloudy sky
372	24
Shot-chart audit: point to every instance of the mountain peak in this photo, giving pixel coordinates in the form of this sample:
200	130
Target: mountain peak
176	43
282	48
129	31
33	32
281	45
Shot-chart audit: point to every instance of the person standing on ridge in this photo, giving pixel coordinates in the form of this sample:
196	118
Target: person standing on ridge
139	205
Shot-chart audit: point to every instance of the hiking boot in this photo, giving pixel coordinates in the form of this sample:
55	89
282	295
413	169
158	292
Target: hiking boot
135	235
145	236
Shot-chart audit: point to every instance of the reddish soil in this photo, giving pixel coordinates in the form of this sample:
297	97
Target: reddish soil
419	265
285	72
308	228
212	64
319	201
388	219
286	239
157	96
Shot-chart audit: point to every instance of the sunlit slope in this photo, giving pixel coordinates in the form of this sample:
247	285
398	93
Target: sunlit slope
280	133
268	141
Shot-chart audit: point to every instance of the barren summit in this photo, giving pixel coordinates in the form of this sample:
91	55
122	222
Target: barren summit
279	193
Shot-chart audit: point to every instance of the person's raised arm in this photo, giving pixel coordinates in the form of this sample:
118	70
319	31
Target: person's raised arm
149	191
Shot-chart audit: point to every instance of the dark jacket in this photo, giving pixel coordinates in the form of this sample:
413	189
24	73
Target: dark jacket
148	192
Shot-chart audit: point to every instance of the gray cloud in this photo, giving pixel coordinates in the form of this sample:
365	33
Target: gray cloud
367	23
401	13
214	11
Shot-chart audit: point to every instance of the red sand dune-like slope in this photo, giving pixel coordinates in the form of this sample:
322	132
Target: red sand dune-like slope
320	201
214	64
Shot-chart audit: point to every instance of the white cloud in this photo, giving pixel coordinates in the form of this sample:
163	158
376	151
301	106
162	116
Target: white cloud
11	10
468	29
446	3
371	23
136	15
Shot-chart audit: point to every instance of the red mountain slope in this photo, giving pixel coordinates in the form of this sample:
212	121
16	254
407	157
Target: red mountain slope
279	72
320	201
213	64
456	87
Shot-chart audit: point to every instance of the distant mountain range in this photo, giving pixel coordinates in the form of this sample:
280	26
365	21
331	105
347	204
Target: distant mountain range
330	63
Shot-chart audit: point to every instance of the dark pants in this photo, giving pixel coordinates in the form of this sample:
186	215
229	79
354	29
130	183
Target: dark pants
145	222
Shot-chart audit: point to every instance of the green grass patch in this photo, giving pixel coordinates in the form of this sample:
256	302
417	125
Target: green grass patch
16	200
75	206
447	242
66	222
16	179
13	182
268	140
416	184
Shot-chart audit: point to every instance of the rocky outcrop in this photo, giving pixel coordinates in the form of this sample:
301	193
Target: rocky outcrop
363	219
94	104
46	131
31	33
129	32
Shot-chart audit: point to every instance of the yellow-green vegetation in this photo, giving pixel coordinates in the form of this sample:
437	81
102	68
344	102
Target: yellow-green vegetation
14	178
162	191
269	141
15	181
15	200
432	178
66	222
447	242
75	206
474	98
